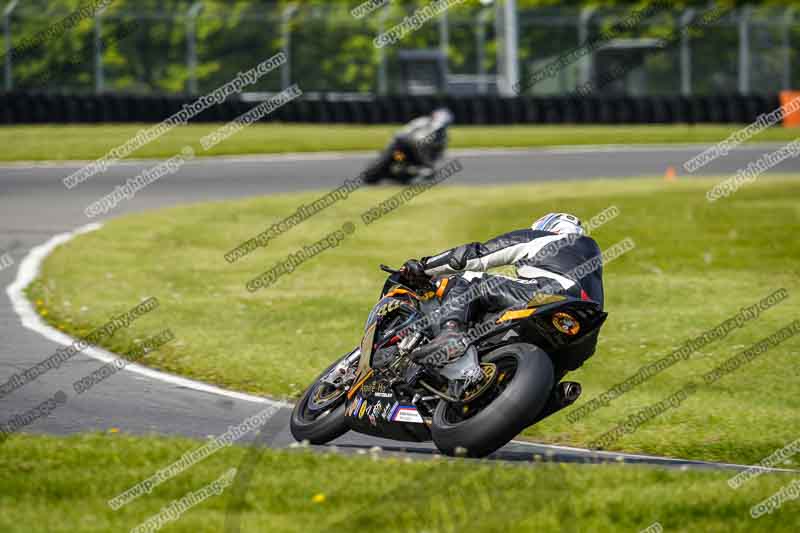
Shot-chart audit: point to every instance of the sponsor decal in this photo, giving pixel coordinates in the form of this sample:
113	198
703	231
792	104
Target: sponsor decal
384	395
566	323
355	405
388	308
361	405
374	387
406	413
373	413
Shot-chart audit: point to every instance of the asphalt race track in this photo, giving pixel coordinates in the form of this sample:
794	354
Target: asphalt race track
35	206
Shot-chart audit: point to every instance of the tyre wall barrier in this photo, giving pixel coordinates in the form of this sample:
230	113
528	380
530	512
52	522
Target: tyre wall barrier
39	107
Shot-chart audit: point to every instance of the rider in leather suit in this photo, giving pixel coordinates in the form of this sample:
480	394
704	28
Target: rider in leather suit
545	257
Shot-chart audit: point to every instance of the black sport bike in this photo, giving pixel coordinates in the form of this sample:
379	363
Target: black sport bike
378	389
413	152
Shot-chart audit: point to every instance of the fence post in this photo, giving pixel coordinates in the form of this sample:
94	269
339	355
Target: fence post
191	44
686	52
744	49
286	32
481	19
788	19
99	82
585	63
382	76
507	51
7	30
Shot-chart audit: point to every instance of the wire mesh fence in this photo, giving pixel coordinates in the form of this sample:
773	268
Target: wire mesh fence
152	46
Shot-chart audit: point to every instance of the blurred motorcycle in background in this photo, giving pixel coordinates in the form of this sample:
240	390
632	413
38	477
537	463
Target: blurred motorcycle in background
414	151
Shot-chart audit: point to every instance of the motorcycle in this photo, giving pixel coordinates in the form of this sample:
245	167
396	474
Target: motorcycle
378	389
413	152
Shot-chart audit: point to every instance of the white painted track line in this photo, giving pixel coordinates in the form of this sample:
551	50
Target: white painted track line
28	270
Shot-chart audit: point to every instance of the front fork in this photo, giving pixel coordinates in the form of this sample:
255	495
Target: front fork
344	373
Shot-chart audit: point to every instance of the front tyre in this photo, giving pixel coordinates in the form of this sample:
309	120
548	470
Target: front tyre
377	169
318	416
523	384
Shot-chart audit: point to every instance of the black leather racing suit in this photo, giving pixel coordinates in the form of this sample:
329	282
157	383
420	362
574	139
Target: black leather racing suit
544	262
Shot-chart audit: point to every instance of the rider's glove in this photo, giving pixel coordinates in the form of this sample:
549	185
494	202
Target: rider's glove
458	258
413	272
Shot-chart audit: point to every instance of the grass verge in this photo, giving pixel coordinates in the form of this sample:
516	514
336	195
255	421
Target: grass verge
695	265
63	485
82	142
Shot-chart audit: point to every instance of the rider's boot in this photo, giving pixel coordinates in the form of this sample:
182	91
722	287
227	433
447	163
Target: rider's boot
447	346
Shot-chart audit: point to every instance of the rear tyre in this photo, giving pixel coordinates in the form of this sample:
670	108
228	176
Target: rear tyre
318	422
504	410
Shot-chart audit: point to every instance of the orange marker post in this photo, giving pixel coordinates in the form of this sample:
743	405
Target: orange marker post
790	120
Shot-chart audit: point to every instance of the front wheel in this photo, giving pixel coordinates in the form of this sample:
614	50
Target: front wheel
377	169
523	384
318	416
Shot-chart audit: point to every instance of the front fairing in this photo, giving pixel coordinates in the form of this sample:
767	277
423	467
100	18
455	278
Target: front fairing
373	407
394	312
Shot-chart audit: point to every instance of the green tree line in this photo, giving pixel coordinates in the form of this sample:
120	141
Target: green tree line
145	43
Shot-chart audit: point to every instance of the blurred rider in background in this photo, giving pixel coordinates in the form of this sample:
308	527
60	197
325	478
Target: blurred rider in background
414	150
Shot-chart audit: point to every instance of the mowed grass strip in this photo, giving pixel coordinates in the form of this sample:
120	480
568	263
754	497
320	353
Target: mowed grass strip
86	142
63	485
695	265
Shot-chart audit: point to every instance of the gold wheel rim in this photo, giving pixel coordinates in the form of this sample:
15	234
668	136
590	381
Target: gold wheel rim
489	375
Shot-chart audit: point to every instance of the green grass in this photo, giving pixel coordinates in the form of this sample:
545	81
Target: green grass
695	264
29	143
63	485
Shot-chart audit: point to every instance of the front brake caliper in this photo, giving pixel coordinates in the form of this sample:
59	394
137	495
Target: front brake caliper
345	372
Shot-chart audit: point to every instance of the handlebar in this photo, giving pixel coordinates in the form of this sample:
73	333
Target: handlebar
389	269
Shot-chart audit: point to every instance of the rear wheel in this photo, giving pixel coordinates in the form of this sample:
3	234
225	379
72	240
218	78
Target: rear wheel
319	414
520	390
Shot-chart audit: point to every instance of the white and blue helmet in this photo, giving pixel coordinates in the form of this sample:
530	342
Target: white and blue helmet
561	223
